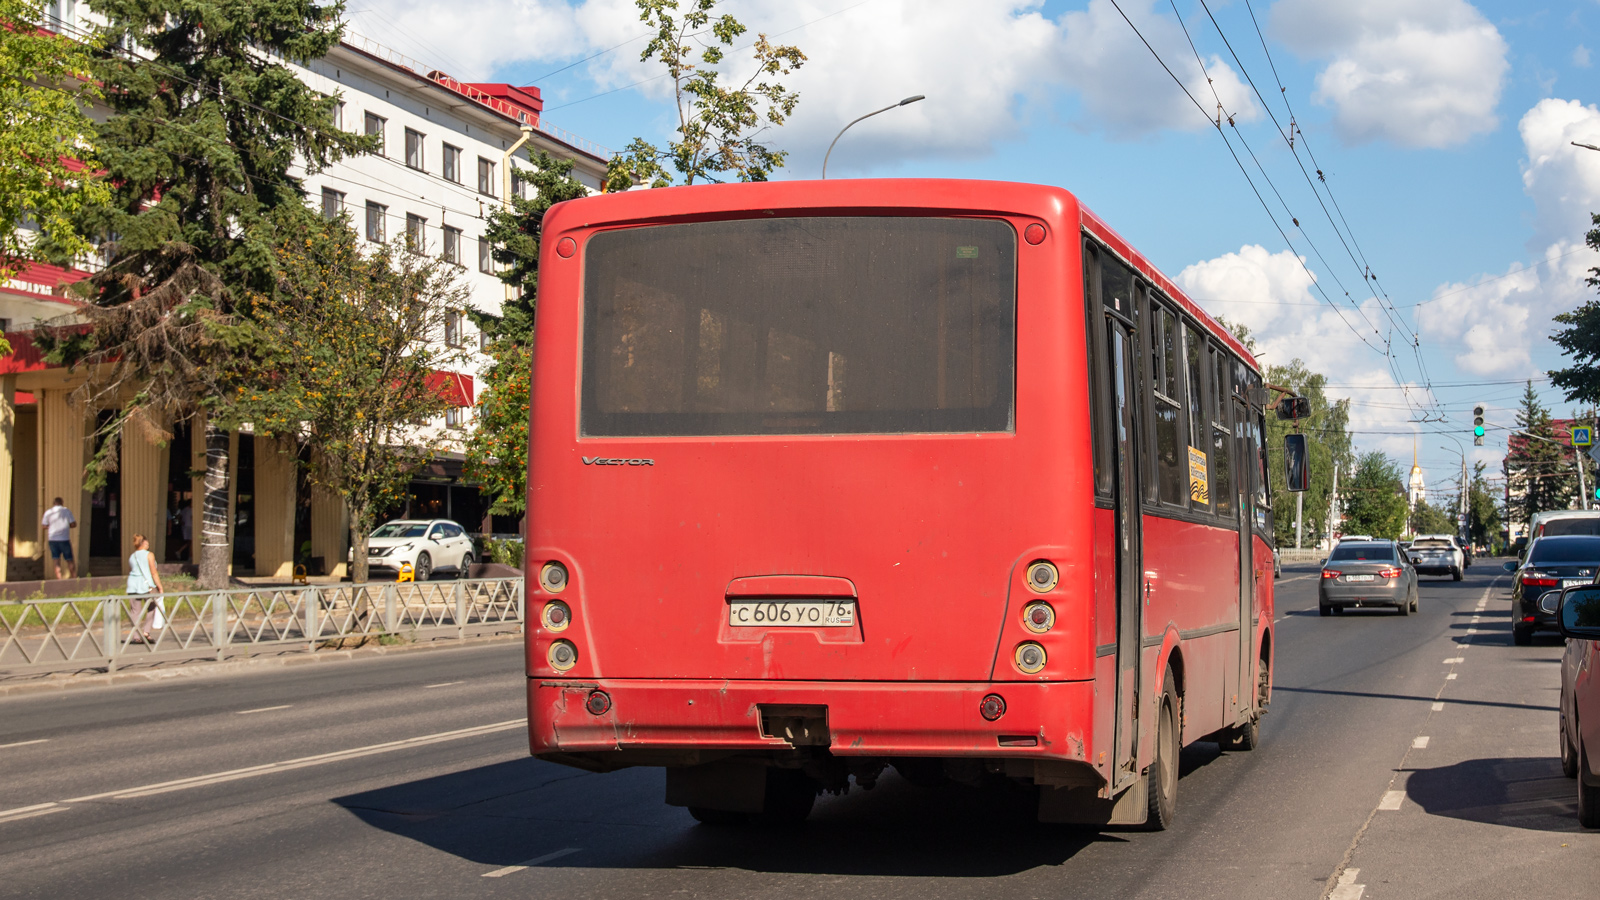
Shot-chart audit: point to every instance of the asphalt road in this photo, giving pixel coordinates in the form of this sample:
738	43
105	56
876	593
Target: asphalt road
1403	758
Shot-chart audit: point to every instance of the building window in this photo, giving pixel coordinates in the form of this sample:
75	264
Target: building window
452	163
452	328
416	233
414	149
452	245
516	182
485	258
455	417
485	177
332	203
375	215
483	340
338	115
375	125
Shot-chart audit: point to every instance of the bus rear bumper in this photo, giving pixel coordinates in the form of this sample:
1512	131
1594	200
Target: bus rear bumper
880	719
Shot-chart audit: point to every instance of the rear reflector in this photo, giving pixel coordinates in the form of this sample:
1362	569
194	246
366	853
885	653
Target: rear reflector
992	707
1527	618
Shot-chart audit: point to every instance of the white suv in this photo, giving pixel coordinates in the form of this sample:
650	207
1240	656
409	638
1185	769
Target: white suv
1438	554
429	545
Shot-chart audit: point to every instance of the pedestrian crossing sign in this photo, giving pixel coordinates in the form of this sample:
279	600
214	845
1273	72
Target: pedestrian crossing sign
1582	436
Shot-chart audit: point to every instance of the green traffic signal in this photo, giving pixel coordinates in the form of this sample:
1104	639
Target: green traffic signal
1478	431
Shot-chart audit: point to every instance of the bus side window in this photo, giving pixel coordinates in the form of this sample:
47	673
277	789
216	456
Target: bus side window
1194	352
1172	481
1099	399
1221	470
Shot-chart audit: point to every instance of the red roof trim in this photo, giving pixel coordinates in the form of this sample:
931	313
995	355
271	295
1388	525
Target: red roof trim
44	281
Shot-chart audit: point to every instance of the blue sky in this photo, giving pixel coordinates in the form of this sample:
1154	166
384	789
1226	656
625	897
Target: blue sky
1443	127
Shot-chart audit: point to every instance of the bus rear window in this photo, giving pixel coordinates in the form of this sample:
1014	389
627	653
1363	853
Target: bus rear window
842	325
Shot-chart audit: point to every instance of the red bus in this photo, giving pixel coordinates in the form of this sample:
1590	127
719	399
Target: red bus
833	476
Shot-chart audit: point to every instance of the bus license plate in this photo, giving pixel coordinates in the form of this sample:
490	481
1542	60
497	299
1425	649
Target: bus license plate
1358	578
792	613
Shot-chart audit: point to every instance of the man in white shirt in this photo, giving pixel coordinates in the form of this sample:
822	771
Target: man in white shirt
58	523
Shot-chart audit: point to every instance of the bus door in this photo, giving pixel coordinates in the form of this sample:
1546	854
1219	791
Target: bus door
1246	468
1125	474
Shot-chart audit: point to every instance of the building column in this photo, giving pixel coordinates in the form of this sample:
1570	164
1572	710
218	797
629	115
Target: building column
63	453
233	494
144	485
275	505
8	433
330	531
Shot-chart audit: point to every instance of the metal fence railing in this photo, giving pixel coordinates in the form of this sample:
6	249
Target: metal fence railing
78	633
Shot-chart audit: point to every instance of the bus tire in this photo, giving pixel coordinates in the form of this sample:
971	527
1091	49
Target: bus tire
1162	777
717	816
790	795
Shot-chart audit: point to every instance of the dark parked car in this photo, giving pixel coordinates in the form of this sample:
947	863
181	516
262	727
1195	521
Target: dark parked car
1578	617
1367	573
1552	563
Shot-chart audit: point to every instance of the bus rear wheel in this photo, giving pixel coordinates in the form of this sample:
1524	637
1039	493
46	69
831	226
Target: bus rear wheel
1162	778
1248	736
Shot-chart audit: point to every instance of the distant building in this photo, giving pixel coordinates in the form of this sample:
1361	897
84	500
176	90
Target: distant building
1516	443
1416	491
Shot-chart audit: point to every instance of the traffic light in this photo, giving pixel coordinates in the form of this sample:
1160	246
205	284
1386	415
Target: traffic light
1477	425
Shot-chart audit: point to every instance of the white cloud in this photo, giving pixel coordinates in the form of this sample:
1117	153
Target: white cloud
1563	180
1500	321
1271	294
1580	56
981	65
1421	73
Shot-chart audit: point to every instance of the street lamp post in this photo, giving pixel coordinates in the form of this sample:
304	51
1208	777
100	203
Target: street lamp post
869	115
1585	146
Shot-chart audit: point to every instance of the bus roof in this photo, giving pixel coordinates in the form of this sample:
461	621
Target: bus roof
868	196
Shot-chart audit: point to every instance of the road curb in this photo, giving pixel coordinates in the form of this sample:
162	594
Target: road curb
43	684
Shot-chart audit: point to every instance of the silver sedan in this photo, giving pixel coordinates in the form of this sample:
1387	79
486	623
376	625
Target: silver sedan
1367	573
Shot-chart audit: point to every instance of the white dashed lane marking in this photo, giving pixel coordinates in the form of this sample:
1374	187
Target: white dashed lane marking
1450	677
536	861
24	743
427	687
1438	706
1347	889
1453	660
246	712
1419	743
1392	800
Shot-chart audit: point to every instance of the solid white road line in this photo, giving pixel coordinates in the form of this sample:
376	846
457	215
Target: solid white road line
28	812
301	763
1392	800
536	861
1419	743
246	712
24	743
427	687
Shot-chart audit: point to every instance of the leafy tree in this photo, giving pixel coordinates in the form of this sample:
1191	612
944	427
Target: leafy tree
497	452
1327	441
1429	519
1483	510
1581	339
47	162
718	125
205	125
1538	468
348	347
1374	499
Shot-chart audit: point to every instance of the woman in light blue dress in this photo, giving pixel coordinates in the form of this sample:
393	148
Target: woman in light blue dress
145	581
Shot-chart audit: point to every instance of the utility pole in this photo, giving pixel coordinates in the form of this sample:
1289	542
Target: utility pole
1461	515
1333	505
1299	507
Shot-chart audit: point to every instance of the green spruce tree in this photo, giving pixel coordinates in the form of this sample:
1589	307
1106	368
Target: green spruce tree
1539	469
206	123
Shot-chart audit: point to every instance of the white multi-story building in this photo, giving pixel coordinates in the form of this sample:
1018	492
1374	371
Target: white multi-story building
451	153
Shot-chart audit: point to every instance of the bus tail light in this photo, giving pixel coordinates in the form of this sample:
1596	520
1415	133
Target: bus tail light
598	704
1038	617
1030	658
556	616
563	655
553	577
1331	573
1042	576
992	707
